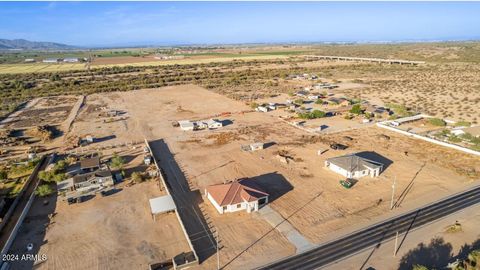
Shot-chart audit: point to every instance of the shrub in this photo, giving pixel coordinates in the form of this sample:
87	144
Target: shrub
51	176
298	101
117	162
356	109
474	257
44	190
60	166
454	139
437	122
3	175
419	267
137	177
463	124
312	115
399	110
253	105
319	101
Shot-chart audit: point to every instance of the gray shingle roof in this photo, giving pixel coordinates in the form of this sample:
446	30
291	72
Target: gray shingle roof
352	163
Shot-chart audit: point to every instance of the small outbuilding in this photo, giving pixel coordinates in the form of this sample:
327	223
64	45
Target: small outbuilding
214	123
262	109
186	125
162	204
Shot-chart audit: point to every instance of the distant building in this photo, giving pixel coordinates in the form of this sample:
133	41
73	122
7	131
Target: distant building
353	166
29	60
302	93
338	101
51	60
186	125
377	111
90	164
200	125
404	120
214	123
70	60
92	177
262	109
86	182
243	194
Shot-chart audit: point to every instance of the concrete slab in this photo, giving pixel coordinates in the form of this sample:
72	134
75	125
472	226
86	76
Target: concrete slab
285	228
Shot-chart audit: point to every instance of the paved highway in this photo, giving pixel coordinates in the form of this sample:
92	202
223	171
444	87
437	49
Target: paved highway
352	243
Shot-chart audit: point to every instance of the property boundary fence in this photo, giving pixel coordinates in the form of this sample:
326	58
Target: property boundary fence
454	146
90	148
25	210
162	179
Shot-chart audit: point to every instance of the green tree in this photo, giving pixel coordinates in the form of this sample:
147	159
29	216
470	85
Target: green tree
356	109
3	174
44	190
117	162
318	114
298	101
312	115
419	267
61	165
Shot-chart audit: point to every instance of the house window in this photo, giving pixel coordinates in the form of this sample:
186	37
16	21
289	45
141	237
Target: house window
224	208
239	205
262	201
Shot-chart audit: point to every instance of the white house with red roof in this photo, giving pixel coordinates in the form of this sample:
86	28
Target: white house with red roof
243	194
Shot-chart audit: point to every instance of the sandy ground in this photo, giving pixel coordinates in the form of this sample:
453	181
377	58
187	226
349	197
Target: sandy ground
302	190
58	112
113	232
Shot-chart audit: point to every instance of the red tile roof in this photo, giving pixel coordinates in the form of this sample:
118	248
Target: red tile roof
236	192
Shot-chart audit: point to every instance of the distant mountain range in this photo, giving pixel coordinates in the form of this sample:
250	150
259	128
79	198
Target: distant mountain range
22	44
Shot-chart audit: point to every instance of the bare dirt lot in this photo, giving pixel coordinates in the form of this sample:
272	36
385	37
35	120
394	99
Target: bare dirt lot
40	125
302	189
113	232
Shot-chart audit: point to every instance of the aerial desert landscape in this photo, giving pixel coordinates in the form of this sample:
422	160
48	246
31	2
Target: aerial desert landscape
241	154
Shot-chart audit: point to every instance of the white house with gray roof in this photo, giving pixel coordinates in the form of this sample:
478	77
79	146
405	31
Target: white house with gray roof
354	166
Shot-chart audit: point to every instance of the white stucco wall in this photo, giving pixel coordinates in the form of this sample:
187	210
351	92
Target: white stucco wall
246	206
347	174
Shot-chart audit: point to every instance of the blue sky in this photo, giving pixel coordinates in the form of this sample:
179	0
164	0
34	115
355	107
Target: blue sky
164	23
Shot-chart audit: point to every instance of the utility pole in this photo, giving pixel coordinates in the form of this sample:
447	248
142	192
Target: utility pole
396	244
393	192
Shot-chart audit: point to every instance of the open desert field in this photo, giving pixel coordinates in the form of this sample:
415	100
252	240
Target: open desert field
303	192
